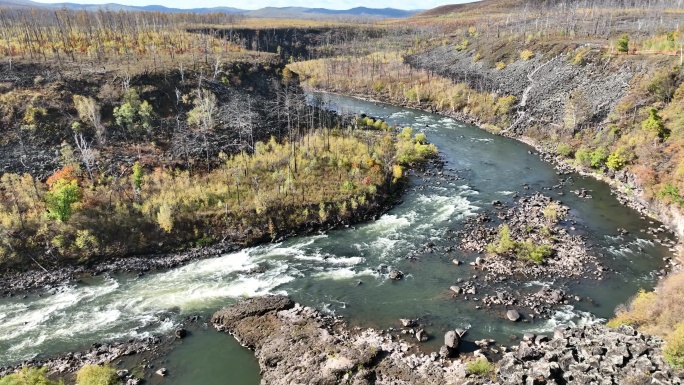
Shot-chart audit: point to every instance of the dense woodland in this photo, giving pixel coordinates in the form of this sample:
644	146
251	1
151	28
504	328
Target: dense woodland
135	132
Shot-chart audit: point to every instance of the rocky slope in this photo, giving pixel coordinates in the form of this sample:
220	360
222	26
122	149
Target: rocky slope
546	87
299	345
541	85
587	355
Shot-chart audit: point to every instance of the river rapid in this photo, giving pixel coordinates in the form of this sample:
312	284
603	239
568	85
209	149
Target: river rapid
337	272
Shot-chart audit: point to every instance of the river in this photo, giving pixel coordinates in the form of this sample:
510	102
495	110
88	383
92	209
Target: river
324	270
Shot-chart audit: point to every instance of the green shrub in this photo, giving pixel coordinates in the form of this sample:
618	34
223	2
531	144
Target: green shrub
673	352
599	157
137	175
406	133
639	311
503	242
425	151
619	158
579	58
564	149
583	156
671	193
654	123
29	376
531	252
85	239
421	138
480	368
477	57
500	65
623	43
551	212
97	375
464	44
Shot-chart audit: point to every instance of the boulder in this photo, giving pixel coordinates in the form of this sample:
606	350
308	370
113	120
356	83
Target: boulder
452	339
162	372
513	315
181	333
445	352
421	335
455	289
396	275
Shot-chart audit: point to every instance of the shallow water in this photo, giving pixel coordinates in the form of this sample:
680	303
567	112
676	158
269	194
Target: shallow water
325	270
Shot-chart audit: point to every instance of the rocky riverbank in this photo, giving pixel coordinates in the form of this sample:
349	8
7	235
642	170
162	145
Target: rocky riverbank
14	283
135	360
299	345
100	354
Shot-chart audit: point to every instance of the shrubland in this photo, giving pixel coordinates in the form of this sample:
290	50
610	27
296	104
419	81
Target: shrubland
318	179
386	76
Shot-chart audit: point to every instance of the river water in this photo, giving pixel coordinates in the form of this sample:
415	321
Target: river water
324	270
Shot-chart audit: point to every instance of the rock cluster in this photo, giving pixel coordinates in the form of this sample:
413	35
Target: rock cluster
587	355
526	221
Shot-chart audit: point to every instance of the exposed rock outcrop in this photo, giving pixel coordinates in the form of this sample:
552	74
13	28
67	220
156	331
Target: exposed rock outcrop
299	345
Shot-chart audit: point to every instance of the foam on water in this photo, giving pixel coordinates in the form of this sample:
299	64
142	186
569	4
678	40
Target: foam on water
567	315
399	114
130	306
628	250
342	274
388	223
538	283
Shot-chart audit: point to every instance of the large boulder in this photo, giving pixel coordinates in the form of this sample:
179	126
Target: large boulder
452	340
513	315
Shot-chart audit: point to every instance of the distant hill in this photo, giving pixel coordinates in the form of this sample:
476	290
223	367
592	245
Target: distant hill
268	12
480	7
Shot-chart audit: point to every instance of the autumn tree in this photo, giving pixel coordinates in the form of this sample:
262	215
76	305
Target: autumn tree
63	193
